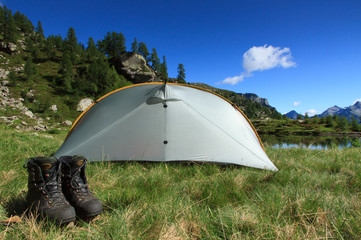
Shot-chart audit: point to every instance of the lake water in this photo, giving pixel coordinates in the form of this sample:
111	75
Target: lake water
308	142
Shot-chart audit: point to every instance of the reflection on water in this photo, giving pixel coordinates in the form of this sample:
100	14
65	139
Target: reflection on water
309	142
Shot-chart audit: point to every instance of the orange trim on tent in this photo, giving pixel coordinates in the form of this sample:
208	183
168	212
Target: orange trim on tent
78	120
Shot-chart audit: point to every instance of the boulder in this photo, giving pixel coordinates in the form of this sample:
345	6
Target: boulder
30	94
29	113
5	83
84	104
4	73
67	123
53	108
135	68
10	48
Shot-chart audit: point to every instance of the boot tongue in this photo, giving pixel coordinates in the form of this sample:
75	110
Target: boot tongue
76	165
77	161
47	164
48	167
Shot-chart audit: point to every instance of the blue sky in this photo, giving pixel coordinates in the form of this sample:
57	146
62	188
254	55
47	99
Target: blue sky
300	55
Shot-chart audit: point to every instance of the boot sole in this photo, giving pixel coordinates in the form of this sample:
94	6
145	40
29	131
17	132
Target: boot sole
90	215
65	221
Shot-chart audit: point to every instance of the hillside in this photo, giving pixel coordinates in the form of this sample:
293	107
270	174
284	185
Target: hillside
43	78
250	104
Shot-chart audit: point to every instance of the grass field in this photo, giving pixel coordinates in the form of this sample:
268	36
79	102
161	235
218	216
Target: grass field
315	195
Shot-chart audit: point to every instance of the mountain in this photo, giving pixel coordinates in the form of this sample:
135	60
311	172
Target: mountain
331	111
255	98
292	114
353	111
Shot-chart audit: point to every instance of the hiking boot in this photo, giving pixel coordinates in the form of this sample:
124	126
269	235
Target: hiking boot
45	197
75	187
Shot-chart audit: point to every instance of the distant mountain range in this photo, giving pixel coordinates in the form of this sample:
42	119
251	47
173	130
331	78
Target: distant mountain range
348	112
292	114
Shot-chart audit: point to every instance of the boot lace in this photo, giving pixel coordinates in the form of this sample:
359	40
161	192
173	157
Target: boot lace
49	186
78	180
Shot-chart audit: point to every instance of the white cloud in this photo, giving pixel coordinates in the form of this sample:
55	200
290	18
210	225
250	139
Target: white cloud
295	104
311	112
233	80
262	58
267	57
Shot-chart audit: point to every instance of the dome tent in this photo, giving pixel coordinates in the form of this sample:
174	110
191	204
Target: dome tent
165	122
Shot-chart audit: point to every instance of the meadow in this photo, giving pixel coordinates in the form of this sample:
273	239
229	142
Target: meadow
314	195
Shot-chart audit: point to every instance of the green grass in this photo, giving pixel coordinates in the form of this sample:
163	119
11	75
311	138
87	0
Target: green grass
315	195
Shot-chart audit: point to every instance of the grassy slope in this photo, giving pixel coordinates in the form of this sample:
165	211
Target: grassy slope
316	194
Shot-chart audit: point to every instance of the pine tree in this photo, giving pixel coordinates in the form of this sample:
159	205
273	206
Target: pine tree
155	60
91	49
342	123
101	77
112	45
71	45
2	20
29	69
181	74
40	34
306	118
50	47
10	31
67	75
316	119
143	50
329	121
135	48
164	70
23	23
354	126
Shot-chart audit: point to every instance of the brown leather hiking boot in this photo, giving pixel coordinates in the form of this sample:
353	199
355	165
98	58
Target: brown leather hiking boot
75	187
45	197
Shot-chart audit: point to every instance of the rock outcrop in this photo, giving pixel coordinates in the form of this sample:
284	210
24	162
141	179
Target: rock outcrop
10	48
135	68
25	116
255	98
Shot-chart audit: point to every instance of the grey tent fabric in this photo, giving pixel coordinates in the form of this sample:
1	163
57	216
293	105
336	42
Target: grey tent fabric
165	122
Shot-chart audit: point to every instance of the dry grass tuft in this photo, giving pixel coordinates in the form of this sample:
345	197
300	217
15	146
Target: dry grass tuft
182	229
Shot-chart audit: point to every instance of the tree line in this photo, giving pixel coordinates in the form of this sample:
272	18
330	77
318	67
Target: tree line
83	70
338	122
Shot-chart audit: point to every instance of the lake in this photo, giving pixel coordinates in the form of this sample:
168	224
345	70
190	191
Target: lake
309	142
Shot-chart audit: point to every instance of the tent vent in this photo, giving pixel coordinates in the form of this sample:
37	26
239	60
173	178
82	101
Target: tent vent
165	142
